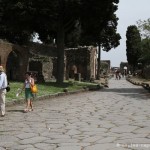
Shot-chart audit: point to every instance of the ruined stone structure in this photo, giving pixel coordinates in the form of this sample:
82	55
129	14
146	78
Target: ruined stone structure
42	60
81	61
14	59
34	57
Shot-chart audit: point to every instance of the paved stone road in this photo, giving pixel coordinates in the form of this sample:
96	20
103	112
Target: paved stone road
111	119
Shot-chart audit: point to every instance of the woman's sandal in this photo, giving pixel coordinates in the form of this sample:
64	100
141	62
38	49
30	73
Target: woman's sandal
26	110
31	109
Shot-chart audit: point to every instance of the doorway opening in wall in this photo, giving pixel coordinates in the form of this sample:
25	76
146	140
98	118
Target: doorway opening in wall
13	66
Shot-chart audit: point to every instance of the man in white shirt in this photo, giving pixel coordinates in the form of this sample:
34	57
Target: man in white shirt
3	85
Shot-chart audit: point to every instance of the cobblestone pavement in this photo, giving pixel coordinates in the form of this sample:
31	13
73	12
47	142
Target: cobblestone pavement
116	118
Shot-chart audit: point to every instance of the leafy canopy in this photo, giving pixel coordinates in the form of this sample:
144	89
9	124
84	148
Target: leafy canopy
144	28
60	19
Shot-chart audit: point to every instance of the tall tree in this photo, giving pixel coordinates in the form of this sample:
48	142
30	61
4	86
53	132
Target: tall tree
98	31
108	39
145	55
133	46
144	28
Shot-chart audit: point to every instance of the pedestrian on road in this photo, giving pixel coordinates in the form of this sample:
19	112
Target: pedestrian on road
29	81
3	85
117	74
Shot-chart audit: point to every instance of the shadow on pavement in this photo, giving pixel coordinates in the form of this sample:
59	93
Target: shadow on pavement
137	93
15	111
124	90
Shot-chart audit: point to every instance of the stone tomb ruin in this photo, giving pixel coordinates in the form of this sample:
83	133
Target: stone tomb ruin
41	60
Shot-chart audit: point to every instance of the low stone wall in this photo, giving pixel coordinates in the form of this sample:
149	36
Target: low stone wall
139	82
50	96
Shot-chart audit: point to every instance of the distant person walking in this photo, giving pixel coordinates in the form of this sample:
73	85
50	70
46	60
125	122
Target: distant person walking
29	81
118	74
3	85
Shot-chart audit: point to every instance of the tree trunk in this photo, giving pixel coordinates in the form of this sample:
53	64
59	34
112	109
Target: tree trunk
60	52
98	62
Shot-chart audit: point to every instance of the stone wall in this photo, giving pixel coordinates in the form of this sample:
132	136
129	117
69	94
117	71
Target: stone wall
15	59
43	69
42	55
82	61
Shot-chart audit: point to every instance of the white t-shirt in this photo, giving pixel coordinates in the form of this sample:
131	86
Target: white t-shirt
27	83
3	80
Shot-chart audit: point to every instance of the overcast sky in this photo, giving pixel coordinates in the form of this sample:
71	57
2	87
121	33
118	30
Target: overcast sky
129	12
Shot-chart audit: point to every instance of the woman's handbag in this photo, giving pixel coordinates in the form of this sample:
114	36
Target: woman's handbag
8	87
34	88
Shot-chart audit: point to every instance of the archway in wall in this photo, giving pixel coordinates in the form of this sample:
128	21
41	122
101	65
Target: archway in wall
13	65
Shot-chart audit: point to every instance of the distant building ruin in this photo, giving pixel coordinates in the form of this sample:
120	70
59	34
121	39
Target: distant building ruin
81	61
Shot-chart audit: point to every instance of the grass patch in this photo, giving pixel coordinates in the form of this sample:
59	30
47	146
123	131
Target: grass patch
47	88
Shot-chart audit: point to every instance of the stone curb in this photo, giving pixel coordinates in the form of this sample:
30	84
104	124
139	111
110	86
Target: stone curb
43	97
144	85
134	82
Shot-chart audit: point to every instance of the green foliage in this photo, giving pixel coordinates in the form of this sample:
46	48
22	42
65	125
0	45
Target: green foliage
99	24
133	44
145	56
13	90
109	38
144	27
72	39
104	66
15	21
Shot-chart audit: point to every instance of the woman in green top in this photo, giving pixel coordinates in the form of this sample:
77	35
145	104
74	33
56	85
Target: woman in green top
29	81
